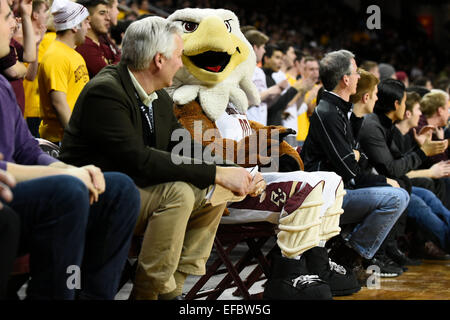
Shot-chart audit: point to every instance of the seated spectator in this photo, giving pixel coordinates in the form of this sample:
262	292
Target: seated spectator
124	121
434	107
61	83
370	202
363	100
383	144
76	223
434	177
95	51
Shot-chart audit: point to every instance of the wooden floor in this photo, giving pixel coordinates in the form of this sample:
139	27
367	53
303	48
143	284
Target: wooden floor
429	281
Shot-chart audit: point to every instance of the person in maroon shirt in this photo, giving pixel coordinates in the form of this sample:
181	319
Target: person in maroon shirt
96	51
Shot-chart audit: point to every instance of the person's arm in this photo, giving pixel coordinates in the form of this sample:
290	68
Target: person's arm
375	146
270	92
338	150
17	71
438	170
302	85
87	174
29	41
58	100
235	179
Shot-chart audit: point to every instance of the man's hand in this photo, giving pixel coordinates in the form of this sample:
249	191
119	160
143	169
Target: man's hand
431	148
303	85
97	177
238	180
424	134
84	175
258	185
393	183
440	169
7	181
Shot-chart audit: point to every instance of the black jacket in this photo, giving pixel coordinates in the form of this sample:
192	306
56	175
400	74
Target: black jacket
384	146
330	143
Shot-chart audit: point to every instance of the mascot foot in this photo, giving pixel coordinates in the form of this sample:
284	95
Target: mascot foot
290	280
342	281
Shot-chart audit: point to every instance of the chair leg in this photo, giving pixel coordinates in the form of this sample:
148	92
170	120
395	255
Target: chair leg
232	271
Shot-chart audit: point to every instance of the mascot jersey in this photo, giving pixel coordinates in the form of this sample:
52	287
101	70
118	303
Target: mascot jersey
215	88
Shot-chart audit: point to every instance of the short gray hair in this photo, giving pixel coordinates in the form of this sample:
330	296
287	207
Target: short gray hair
334	66
144	38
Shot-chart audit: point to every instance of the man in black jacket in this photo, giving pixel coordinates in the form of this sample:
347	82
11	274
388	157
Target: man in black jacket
384	145
123	121
371	202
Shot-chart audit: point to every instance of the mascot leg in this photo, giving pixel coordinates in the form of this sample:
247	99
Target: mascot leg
341	281
299	226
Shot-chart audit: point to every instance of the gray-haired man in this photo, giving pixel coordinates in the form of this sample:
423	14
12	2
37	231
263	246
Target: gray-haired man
370	202
123	120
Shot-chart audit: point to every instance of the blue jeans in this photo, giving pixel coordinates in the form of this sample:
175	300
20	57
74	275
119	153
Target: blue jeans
429	213
62	231
374	211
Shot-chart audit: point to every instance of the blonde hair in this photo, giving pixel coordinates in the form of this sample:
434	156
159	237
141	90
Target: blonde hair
432	101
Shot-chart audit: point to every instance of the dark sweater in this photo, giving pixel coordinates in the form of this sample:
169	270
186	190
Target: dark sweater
377	138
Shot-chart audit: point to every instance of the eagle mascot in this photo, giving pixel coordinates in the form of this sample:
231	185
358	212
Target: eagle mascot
212	92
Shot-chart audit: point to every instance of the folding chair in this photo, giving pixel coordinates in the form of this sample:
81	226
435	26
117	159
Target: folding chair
21	269
255	235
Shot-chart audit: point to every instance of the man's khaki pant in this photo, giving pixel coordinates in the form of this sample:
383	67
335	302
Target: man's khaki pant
179	230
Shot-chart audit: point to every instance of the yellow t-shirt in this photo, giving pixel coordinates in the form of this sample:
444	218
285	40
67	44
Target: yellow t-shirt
61	69
303	120
31	88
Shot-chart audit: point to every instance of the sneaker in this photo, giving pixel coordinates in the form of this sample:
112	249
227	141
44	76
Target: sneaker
290	280
342	281
344	255
400	258
388	268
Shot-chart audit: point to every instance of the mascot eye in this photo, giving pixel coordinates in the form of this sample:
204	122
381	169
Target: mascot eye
189	26
227	23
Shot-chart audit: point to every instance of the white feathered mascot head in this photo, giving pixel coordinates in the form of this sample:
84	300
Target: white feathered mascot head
218	62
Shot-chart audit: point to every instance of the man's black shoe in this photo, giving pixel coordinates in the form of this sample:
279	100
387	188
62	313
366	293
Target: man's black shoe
400	258
290	280
387	267
342	281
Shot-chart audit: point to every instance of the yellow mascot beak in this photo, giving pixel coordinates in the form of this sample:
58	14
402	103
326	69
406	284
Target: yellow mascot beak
212	52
